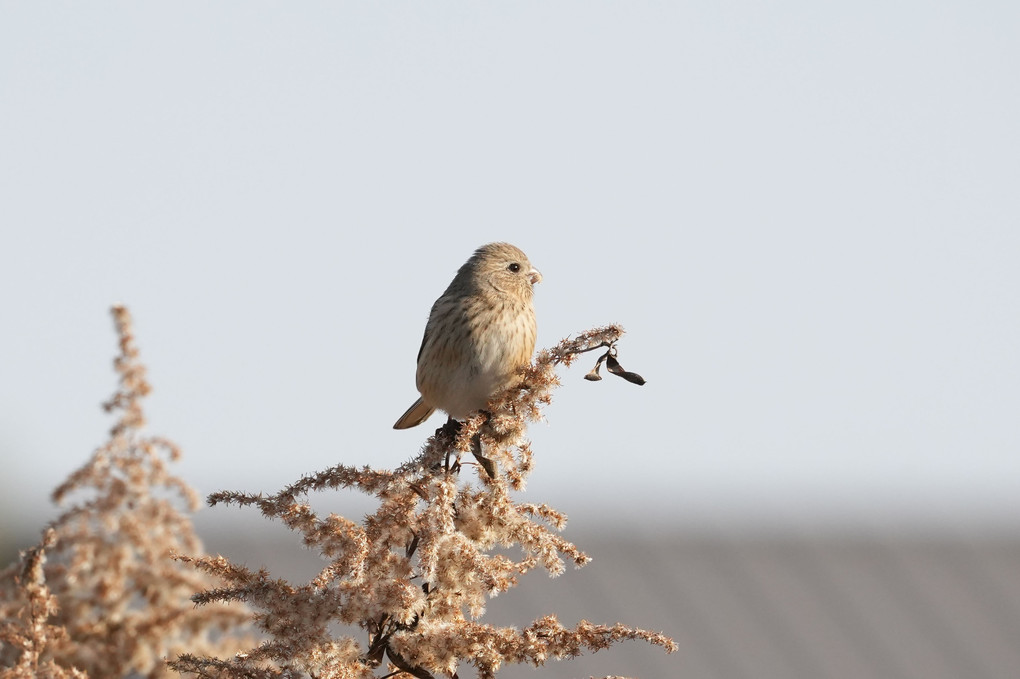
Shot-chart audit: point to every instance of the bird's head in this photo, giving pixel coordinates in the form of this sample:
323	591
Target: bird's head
505	268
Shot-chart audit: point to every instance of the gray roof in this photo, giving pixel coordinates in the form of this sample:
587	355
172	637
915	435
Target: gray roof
812	607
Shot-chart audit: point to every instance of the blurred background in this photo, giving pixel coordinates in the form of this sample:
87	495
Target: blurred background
805	215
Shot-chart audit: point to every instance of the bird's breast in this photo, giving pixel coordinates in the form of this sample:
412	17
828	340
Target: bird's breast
473	352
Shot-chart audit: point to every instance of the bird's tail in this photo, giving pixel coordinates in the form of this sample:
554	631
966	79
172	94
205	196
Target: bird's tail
415	415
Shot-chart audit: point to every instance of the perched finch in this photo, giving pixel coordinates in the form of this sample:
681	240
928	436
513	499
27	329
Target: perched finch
479	332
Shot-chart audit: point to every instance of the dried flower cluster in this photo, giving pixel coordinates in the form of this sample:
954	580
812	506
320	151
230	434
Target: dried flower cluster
415	576
27	632
100	595
109	590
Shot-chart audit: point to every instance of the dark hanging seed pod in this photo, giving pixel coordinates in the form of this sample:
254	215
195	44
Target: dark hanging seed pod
609	358
593	375
613	366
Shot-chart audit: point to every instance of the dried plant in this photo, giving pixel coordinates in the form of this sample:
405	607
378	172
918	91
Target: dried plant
415	575
28	633
100	595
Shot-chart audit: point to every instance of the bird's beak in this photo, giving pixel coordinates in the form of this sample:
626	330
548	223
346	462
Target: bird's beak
535	276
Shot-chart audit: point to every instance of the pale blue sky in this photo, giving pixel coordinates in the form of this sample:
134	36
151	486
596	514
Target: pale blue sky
807	216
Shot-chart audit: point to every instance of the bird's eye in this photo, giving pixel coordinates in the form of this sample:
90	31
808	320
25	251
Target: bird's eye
514	267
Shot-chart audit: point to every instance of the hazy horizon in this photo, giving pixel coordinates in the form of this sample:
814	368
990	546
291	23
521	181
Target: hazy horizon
806	218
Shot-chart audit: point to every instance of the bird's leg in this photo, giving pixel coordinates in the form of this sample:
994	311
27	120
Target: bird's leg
476	449
450	429
446	439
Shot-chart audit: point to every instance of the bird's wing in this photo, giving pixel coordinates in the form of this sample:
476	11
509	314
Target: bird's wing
424	339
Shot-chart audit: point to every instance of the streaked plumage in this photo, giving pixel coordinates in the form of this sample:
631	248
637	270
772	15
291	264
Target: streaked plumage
479	333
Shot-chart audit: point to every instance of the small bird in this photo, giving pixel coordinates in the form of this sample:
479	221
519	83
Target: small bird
479	333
